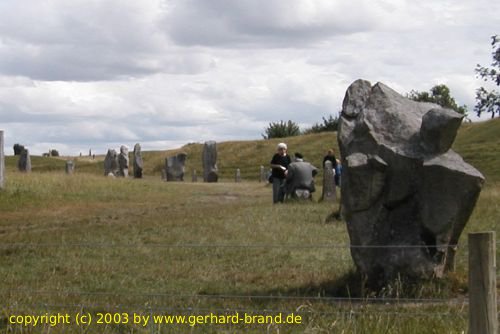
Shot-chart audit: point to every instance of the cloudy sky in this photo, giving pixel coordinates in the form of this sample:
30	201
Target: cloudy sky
97	74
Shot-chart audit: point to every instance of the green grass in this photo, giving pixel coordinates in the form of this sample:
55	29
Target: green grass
108	245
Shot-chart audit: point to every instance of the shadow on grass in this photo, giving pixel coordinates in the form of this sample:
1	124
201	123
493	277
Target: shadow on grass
353	286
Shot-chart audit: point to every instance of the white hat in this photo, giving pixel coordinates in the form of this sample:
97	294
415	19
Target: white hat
282	145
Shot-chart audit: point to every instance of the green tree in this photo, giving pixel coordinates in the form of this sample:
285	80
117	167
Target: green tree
281	129
439	94
489	100
329	124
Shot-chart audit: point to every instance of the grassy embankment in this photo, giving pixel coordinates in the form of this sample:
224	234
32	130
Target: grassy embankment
109	245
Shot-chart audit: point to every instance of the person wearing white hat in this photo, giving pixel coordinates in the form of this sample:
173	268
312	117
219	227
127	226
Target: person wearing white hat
279	165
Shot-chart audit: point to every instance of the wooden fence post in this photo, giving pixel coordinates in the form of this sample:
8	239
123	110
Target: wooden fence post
482	283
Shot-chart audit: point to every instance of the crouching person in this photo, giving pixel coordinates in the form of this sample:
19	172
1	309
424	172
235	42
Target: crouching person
300	178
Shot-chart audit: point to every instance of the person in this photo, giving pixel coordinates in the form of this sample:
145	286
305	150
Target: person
279	164
300	178
330	156
338	173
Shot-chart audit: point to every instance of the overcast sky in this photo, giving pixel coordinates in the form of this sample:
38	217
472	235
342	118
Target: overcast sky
97	74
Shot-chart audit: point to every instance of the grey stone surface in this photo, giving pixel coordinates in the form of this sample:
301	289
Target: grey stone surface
138	164
2	161
24	162
175	167
329	193
209	160
402	185
70	167
237	176
123	162
111	163
439	129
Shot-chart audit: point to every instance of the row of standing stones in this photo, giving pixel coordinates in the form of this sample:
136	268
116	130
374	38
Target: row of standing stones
117	165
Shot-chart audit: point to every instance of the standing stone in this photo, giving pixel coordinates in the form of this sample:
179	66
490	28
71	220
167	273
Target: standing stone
329	190
194	177
263	174
209	159
175	167
111	163
137	161
237	177
24	162
123	162
70	167
402	185
2	162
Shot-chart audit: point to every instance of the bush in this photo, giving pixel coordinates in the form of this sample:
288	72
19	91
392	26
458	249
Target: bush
329	124
281	129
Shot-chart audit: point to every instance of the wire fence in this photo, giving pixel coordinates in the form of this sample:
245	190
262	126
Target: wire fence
307	303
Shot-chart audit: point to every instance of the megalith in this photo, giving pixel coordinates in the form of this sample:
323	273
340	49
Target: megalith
209	159
137	161
406	195
175	167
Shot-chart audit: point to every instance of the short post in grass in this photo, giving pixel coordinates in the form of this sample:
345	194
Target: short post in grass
194	176
482	284
70	167
2	162
237	176
262	174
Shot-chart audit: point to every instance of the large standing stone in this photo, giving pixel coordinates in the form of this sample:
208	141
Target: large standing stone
175	167
209	159
137	161
123	162
402	185
2	162
111	163
329	190
24	162
70	167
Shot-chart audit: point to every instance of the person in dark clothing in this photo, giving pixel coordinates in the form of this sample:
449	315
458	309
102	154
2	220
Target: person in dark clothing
330	156
279	165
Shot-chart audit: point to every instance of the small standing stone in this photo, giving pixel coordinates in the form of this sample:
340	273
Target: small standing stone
2	162
329	189
137	161
263	175
111	163
194	176
70	167
237	177
24	163
209	159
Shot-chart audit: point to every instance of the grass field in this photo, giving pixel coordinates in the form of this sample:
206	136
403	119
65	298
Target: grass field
86	243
